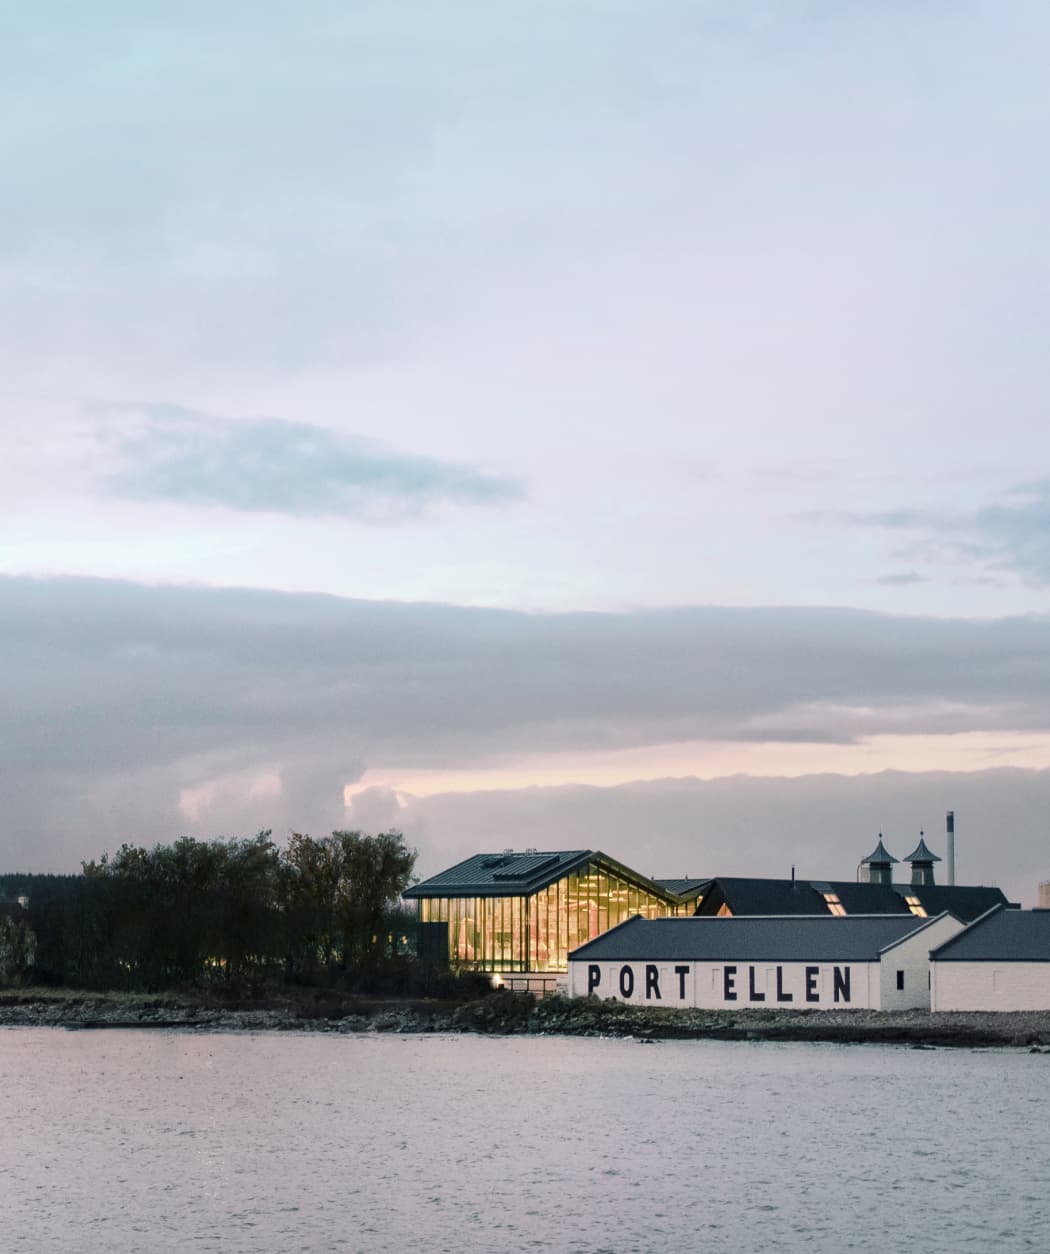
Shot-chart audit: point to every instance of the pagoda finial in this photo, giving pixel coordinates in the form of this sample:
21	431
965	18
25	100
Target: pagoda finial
880	864
922	861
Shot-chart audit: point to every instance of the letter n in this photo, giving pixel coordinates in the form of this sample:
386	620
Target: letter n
842	975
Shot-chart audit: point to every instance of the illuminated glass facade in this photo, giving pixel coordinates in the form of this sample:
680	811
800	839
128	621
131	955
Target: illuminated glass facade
535	932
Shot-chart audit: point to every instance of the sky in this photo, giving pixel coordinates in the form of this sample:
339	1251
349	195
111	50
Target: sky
579	424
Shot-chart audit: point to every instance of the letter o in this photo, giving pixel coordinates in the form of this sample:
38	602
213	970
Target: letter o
626	981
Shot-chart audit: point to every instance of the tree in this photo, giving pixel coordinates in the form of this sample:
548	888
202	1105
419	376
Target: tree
192	910
376	871
312	873
337	890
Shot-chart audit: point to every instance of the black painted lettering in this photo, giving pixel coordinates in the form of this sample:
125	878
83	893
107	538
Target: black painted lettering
594	977
729	983
781	995
842	983
626	981
681	972
811	984
652	983
752	993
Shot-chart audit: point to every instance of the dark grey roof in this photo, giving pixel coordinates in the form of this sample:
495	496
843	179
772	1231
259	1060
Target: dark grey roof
745	896
684	888
879	856
799	938
1001	936
967	902
500	874
519	874
920	853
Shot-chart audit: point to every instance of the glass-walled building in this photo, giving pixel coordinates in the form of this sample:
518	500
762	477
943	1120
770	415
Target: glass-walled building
524	912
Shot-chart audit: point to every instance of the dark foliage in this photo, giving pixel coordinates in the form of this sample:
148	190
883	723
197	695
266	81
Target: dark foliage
234	915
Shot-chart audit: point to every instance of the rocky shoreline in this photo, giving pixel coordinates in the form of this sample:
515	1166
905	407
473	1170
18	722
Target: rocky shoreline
518	1014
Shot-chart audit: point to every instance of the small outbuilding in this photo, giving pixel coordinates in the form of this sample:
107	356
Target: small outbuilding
799	962
1000	962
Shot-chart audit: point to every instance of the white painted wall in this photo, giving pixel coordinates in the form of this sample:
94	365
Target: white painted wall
990	985
705	985
912	957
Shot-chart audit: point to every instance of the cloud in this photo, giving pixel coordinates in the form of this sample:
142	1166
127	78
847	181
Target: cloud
901	579
104	674
1018	532
1011	535
820	824
271	465
144	711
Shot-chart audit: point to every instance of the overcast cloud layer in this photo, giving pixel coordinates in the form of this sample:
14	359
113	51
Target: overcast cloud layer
193	708
820	825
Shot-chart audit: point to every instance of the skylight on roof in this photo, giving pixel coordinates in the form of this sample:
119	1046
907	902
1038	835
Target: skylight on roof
834	905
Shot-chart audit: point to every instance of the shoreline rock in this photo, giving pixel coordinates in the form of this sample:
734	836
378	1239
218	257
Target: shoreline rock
505	1013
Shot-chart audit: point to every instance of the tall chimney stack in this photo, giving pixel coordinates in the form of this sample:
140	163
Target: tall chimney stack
951	846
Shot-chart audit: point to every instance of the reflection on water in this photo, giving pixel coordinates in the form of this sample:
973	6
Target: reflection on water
146	1141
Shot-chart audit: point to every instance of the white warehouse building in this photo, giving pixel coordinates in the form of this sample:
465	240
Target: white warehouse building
786	962
1000	962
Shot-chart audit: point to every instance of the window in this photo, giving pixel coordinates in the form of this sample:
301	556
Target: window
900	981
834	905
915	906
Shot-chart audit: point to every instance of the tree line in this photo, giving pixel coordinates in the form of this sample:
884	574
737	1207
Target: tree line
230	913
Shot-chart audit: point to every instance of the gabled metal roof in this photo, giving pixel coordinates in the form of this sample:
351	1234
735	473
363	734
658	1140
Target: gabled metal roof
511	874
794	938
1000	936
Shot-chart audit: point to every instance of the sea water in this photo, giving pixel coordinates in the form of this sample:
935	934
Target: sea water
164	1141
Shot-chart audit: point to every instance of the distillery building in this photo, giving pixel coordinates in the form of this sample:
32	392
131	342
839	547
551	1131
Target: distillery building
518	915
797	962
1000	962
